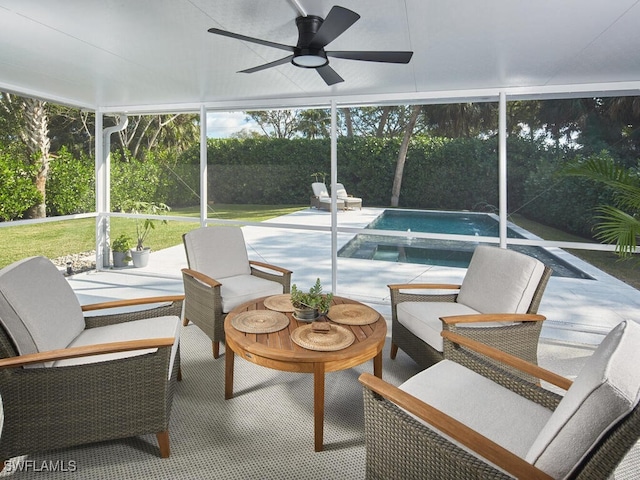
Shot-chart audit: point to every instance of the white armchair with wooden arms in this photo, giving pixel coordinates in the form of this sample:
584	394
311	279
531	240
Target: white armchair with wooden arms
497	281
68	379
221	277
466	418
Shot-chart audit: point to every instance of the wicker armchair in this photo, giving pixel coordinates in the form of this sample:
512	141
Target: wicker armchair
497	281
220	277
114	380
500	426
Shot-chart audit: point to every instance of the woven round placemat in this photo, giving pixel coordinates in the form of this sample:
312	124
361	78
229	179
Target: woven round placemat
336	339
353	314
279	303
260	321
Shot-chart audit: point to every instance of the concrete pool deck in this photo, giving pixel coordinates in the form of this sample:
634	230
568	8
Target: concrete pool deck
577	310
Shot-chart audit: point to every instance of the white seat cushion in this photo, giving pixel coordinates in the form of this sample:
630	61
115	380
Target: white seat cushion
218	252
606	389
38	307
240	289
158	327
500	281
423	319
496	412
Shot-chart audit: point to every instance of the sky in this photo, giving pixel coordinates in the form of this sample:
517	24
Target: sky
224	124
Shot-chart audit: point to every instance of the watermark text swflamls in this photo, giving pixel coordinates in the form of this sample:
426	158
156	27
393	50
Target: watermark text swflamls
12	466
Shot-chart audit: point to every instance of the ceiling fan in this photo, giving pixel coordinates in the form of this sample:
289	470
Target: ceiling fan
315	33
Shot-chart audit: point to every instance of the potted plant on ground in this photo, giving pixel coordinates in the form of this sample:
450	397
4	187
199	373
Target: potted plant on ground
144	226
310	305
121	248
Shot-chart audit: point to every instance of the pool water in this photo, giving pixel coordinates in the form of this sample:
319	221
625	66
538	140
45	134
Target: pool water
447	253
456	223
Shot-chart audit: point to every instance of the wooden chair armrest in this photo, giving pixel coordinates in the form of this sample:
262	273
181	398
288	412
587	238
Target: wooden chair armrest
424	286
207	280
510	360
74	352
269	266
493	317
132	301
466	436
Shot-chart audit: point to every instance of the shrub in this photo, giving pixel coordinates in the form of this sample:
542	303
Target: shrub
17	191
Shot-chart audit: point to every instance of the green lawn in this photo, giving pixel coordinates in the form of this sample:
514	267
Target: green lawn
57	239
626	270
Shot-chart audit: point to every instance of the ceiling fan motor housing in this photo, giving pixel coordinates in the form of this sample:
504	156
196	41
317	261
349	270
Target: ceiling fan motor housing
313	57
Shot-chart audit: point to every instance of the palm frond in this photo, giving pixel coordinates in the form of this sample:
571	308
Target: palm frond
617	226
602	169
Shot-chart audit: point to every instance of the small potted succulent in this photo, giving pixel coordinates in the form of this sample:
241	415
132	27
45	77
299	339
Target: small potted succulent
310	305
121	248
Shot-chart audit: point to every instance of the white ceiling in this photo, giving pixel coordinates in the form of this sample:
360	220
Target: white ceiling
156	55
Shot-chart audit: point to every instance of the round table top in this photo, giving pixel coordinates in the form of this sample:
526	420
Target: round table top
279	347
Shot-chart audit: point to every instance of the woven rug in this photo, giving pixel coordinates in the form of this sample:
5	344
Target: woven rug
264	432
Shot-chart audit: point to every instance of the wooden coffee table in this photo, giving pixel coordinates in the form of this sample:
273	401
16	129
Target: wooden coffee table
277	350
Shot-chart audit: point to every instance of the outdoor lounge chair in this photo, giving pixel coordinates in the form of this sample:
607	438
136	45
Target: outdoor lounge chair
497	281
220	277
321	199
467	418
349	200
67	379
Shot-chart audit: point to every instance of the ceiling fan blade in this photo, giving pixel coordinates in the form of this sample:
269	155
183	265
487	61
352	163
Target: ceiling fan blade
385	57
238	36
337	21
282	61
329	75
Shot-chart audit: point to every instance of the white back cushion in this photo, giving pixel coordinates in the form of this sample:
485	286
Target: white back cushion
217	251
607	388
341	191
319	189
38	308
500	281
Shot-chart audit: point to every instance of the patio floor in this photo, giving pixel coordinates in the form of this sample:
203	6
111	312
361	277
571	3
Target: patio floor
577	310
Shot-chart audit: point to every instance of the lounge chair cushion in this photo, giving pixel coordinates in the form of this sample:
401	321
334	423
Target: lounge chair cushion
500	281
218	263
242	288
423	319
320	190
160	327
606	389
38	308
472	399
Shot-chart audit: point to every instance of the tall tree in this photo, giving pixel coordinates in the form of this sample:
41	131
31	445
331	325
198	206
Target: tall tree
277	123
33	120
402	155
315	123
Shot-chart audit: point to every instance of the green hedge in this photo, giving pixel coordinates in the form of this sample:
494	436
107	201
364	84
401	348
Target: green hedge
456	174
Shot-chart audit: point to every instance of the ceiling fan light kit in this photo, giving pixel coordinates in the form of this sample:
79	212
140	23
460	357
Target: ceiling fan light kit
315	33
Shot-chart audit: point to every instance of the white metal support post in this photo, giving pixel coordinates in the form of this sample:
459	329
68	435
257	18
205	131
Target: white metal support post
102	221
502	168
203	167
334	198
103	185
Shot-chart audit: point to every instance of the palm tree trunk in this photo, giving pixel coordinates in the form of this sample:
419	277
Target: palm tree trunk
36	137
402	155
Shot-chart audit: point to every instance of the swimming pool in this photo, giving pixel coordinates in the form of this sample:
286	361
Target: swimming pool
449	253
